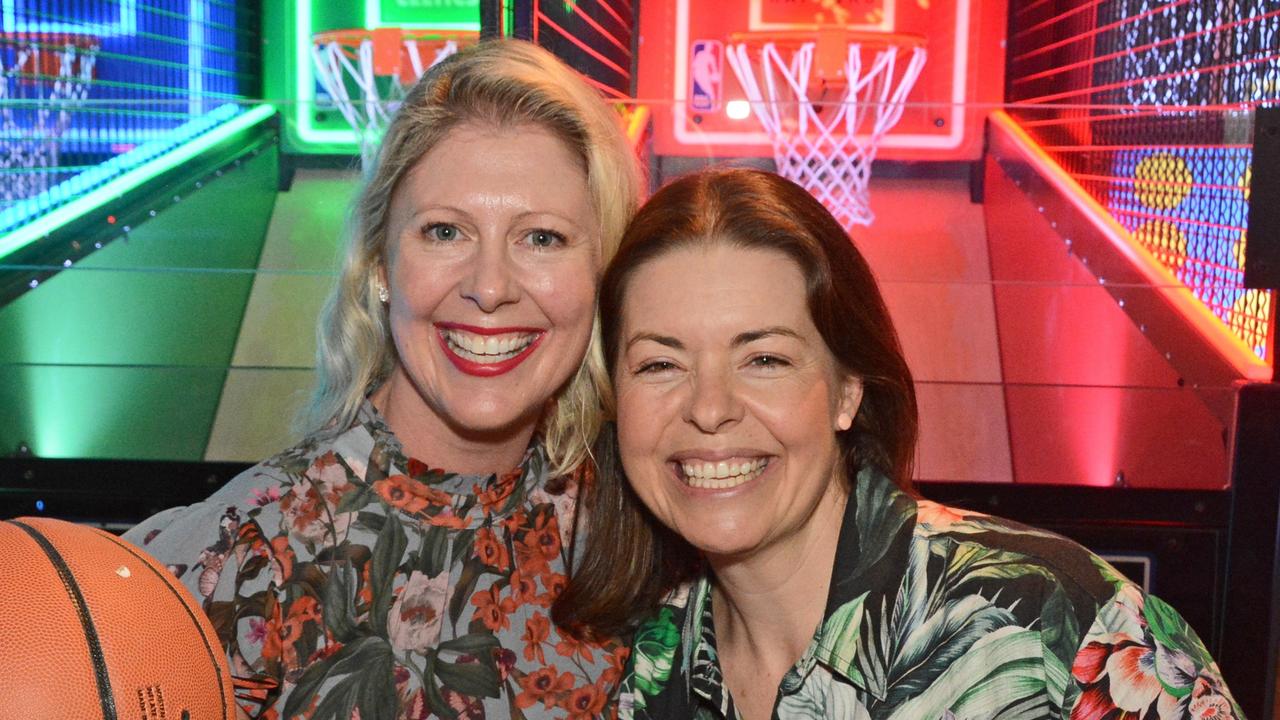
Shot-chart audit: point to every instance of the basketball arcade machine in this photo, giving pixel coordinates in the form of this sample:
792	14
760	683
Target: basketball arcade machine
1082	335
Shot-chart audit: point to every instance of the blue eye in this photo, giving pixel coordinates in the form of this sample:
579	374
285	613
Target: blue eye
443	232
545	238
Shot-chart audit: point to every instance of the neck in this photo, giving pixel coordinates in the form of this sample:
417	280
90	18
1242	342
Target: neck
428	437
768	604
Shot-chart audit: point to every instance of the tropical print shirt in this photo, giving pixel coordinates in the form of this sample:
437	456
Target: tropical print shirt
347	580
935	612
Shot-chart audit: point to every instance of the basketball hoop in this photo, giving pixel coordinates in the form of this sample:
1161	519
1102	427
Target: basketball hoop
861	81
46	76
368	72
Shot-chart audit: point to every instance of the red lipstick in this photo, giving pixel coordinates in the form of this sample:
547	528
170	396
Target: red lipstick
470	367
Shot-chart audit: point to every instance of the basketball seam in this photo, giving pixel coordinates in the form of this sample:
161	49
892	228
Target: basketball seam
105	695
216	667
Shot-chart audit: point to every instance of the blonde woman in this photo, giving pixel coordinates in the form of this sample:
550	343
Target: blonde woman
402	559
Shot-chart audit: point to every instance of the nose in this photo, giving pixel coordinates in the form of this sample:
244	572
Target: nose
489	279
712	405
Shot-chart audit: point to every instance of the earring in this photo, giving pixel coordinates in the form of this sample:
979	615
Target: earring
844	421
383	295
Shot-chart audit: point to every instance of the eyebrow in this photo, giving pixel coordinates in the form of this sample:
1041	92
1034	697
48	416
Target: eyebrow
753	335
654	337
739	340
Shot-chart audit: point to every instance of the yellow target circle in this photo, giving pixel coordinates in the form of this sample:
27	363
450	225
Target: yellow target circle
1237	248
1163	181
1246	181
1165	241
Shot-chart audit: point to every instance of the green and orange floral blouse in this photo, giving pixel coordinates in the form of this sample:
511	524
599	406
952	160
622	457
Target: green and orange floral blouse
347	580
940	614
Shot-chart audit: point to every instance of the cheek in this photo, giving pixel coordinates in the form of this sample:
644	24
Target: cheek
567	296
641	421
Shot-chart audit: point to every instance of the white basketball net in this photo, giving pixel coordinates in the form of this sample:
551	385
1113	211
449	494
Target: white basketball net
366	106
34	112
828	153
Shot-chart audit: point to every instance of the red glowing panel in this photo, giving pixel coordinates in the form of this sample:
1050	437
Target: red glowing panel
942	120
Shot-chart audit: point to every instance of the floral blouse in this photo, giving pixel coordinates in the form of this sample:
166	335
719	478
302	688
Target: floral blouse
349	581
935	612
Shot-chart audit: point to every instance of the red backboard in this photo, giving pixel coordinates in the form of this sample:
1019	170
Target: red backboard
684	76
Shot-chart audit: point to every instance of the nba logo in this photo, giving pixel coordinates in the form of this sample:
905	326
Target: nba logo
705	61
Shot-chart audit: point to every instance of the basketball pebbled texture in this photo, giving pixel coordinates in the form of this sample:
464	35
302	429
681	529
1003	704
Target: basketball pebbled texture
92	627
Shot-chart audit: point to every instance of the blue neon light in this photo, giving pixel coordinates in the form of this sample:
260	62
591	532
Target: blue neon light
126	25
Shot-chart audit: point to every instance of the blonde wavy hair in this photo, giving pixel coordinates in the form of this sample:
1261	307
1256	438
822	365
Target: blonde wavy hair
503	83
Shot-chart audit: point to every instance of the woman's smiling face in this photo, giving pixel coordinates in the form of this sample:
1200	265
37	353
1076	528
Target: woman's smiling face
728	399
492	270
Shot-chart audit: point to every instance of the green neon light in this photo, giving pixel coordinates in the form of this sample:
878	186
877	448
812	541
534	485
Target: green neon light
306	88
145	172
305	72
373	19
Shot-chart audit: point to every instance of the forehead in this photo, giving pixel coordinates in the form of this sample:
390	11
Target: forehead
483	162
717	291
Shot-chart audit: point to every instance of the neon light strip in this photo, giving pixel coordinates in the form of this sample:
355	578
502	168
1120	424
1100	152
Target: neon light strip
1080	37
585	47
1154	79
373	19
604	5
1090	62
306	87
128	24
1209	326
131	179
582	14
195	58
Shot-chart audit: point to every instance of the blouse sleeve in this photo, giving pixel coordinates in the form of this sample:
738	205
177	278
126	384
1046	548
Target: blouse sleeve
209	546
1141	657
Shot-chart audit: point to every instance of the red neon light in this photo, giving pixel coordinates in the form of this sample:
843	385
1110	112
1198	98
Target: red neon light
1207	325
1089	62
1139	111
1162	146
1096	31
1116	179
1062	16
609	9
1156	78
607	35
1190	221
584	47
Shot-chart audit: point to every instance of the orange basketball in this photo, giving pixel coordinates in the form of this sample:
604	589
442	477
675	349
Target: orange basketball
91	627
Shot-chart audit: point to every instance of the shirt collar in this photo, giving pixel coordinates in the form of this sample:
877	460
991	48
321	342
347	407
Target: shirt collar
473	497
875	539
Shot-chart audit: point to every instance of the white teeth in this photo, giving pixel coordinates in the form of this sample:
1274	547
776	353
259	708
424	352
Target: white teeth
487	349
722	475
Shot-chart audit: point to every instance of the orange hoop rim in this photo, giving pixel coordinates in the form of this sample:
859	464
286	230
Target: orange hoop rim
796	38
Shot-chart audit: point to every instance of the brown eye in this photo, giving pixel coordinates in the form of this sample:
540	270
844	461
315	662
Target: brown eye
768	361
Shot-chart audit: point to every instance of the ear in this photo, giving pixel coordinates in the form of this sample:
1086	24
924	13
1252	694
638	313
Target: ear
850	401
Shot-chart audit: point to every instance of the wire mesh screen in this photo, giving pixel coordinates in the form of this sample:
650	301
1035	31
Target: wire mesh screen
89	86
1148	105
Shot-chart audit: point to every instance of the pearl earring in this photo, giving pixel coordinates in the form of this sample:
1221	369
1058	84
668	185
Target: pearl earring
844	421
